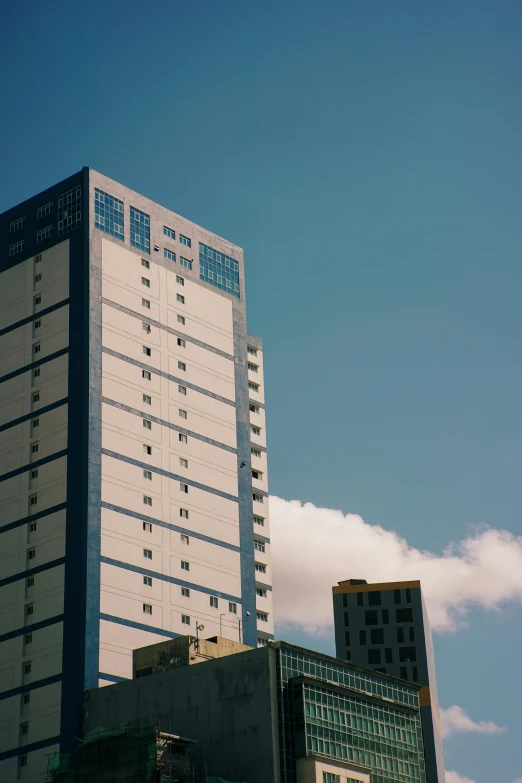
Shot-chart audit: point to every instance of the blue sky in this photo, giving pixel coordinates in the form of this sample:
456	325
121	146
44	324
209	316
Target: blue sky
367	156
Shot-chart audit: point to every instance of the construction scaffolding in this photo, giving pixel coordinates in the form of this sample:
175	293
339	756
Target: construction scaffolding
120	755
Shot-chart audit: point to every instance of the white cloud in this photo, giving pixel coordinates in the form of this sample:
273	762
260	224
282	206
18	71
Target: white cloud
314	548
454	720
455	777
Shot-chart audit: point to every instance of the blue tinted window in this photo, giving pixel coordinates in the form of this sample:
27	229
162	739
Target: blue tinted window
169	232
169	254
185	240
108	214
139	229
218	269
185	262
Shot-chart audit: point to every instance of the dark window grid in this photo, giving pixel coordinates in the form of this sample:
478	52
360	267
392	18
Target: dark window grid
69	210
108	214
139	230
218	269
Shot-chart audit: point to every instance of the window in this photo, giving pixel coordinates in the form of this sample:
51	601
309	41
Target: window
29	609
253	408
404	673
24	728
182	438
252	351
331	777
185	619
37	348
253	386
261	568
261	592
414	674
185	565
360	599
180	280
346	619
256	474
145	303
37	300
408	595
181	342
16	225
147	424
232	607
30	581
400	635
185	592
147	474
362	637
38	258
37	324
258	520
33	500
147	500
147	400
371	617
182	389
262	641
185	262
397	596
16	248
147	553
145	281
183	512
146	327
213	602
180	298
27	696
218	270
183	488
377	636
22	759
27	667
411	633
259	546
257	498
184	538
70	210
108	214
252	367
181	319
45	210
385	617
345	600
183	462
404	615
145	263
169	232
147	608
36	423
36	397
374	656
374	598
347	638
147	449
169	254
255	430
143	672
388	655
182	413
44	233
38	278
255	452
407	654
32	527
348	655
36	373
34	448
262	616
34	474
182	366
139	229
185	241
147	527
147	351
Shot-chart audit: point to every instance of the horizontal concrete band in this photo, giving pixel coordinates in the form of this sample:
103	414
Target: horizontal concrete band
142	317
261	538
262	584
33	317
256	402
168	376
30	628
265	634
169	526
168	424
36	464
169	475
33	517
38	412
32	571
34	365
30	686
22	750
171	579
110	618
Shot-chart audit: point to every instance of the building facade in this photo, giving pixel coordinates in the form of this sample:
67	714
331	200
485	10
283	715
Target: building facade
278	714
133	478
385	627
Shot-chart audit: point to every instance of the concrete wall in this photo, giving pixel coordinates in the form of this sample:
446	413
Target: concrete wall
228	705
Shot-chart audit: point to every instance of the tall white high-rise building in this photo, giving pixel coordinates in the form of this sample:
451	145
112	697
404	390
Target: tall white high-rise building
133	474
